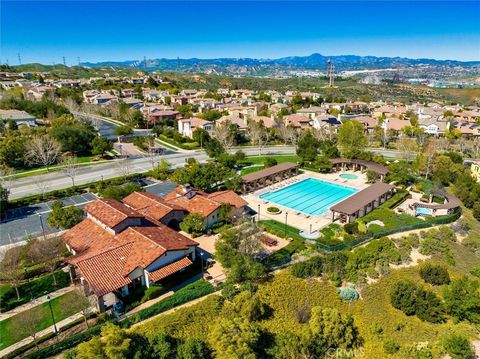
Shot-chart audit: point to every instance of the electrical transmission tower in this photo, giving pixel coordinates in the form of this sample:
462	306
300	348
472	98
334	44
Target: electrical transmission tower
64	61
396	77
78	60
330	73
19	59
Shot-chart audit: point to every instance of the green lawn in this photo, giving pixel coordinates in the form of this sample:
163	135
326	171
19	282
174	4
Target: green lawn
258	162
63	307
31	289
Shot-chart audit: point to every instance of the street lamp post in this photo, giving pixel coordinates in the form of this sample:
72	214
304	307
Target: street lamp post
43	228
286	216
201	258
51	312
258	212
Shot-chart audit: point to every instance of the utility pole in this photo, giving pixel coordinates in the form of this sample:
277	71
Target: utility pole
78	60
330	73
145	63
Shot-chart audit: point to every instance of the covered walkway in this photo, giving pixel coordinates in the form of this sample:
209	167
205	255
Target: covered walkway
362	202
256	180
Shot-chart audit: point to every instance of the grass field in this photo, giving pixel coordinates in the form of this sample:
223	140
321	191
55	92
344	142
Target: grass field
63	307
465	96
258	162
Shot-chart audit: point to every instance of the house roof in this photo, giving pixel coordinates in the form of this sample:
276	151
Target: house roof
269	171
110	212
87	237
360	199
150	205
268	122
228	197
374	166
104	271
296	119
196	201
195	121
169	269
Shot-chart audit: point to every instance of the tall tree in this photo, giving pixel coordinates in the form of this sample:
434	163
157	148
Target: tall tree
224	134
43	150
10	268
69	166
352	138
49	252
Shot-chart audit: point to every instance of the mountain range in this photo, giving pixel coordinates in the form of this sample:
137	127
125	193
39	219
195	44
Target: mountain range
312	62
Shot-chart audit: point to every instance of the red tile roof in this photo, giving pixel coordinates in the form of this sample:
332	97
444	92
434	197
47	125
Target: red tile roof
169	269
202	202
228	197
110	212
150	205
104	272
87	237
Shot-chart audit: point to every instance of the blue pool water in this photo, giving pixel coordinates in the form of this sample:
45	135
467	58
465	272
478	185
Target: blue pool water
310	196
423	211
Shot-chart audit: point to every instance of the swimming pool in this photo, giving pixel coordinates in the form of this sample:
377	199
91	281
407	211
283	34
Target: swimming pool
310	196
348	176
422	211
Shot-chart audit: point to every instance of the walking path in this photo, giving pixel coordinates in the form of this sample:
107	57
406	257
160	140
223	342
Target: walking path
35	302
42	333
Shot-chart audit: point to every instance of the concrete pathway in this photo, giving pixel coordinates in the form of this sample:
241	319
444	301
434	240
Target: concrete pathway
42	333
35	302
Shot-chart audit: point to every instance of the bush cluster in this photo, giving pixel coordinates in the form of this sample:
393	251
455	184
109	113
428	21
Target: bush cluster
434	274
415	300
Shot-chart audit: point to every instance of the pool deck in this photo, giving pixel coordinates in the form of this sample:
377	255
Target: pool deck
295	218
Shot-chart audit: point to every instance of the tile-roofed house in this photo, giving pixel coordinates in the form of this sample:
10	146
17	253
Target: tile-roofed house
156	208
297	120
114	215
268	122
187	126
110	263
207	205
241	123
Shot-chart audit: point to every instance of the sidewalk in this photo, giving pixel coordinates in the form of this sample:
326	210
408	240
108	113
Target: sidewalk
41	333
35	302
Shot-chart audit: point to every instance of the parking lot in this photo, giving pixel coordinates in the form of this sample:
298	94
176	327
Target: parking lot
20	223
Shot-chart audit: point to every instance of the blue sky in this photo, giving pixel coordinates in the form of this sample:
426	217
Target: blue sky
123	30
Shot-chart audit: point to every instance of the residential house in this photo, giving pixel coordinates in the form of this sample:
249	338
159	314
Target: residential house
127	93
187	126
240	122
116	249
475	168
319	121
206	204
297	120
268	122
156	116
21	118
156	208
277	107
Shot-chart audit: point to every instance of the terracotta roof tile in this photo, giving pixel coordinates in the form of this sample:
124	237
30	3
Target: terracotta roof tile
110	212
150	205
104	272
228	197
169	269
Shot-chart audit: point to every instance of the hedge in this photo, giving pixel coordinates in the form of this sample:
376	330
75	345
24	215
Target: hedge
190	292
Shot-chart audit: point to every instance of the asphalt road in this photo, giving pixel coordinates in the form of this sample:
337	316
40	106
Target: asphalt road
57	180
20	223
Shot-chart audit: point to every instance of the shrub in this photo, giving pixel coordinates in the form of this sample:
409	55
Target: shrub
310	268
462	299
475	271
193	224
390	346
270	162
434	274
274	210
413	300
457	346
351	228
152	293
348	294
